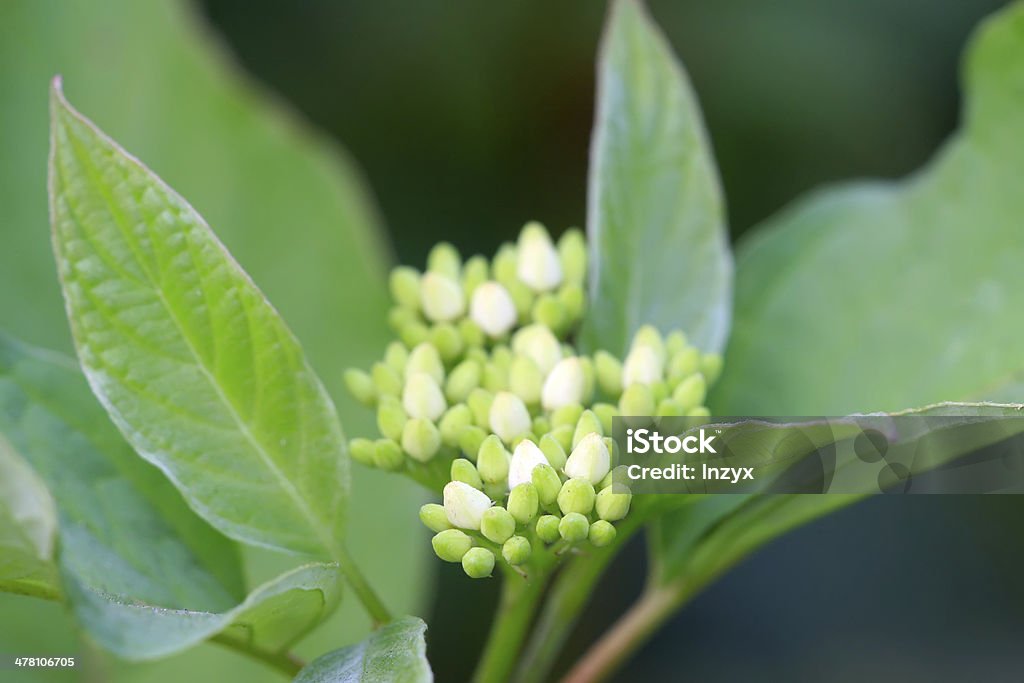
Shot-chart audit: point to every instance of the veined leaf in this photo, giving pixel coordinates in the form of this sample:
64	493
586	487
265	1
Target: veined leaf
395	653
28	529
193	364
143	574
655	215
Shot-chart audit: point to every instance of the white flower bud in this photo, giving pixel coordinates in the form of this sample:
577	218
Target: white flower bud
422	397
642	366
537	262
464	505
524	459
540	345
590	459
565	385
441	297
492	309
508	416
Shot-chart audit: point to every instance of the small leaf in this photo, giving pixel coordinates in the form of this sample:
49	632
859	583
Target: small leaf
396	653
193	364
28	529
659	249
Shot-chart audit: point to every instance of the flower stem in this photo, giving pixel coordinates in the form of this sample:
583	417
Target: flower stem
361	587
519	598
285	662
629	632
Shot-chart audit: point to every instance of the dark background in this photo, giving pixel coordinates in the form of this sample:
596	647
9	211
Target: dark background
470	118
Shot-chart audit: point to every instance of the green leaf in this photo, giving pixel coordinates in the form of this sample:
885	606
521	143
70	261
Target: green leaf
696	543
395	653
876	296
28	529
193	364
659	248
143	573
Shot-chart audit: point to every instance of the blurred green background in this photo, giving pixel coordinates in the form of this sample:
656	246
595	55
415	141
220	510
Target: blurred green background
468	119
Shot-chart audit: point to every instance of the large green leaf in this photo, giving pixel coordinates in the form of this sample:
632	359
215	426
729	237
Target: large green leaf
876	296
143	573
395	653
659	248
28	529
191	361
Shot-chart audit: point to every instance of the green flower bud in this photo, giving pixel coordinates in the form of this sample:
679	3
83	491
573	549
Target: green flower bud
421	439
637	399
504	265
547	528
675	342
605	412
388	455
493	309
362	450
446	338
501	356
601	533
386	381
396	356
609	443
463	470
526	457
497	524
516	550
399	317
360	385
699	411
711	367
391	417
547	483
691	392
641	367
609	373
572	252
684	363
589	378
574	302
552	449
588	423
433	517
495	377
478	563
522	298
574	527
470	440
474	274
576	495
565	385
451	545
472	335
508	416
669	407
563	435
649	336
444	259
612	506
464	505
425	358
405	287
539	344
610	478
480	401
453	422
659	391
525	379
566	415
422	397
441	297
492	460
464	378
549	311
413	334
590	460
537	262
523	502
540	426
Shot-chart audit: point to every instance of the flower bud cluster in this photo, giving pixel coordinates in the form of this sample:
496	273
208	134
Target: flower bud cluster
482	400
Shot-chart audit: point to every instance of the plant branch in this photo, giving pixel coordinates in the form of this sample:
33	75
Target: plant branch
361	587
629	632
285	662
